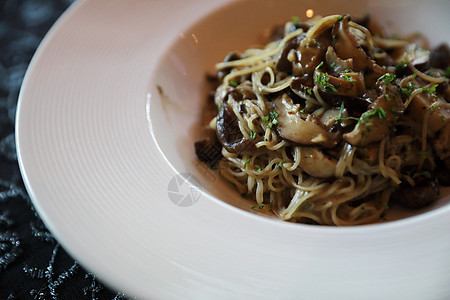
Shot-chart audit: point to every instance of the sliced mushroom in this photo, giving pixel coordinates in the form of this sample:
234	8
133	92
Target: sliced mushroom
303	130
440	57
347	84
374	124
208	150
283	63
313	47
229	133
314	162
438	111
418	57
346	47
421	195
328	118
336	64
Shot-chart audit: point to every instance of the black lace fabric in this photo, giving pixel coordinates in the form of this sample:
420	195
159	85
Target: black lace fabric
32	263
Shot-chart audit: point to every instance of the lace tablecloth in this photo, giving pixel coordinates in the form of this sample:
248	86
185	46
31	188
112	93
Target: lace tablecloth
32	263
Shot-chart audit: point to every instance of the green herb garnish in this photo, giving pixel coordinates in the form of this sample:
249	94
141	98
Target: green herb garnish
258	207
252	134
233	83
377	112
322	81
425	174
246	163
340	118
447	72
387	78
407	91
401	66
348	78
295	21
431	90
320	65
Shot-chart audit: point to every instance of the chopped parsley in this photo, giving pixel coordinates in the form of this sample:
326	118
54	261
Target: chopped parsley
320	65
233	83
322	80
407	91
447	72
339	18
387	78
340	118
258	207
425	174
279	165
309	91
258	168
272	117
433	108
348	78
377	112
401	66
246	163
252	134
431	90
295	21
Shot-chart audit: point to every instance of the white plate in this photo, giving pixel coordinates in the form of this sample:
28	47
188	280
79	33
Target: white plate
100	149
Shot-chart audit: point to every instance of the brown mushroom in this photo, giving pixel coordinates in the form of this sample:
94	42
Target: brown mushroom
283	64
346	47
313	47
374	124
337	64
229	133
438	111
425	192
418	57
301	128
347	84
314	162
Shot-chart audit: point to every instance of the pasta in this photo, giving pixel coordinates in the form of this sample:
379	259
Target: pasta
332	121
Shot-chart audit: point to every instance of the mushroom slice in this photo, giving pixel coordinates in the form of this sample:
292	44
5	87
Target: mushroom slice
336	64
438	111
313	46
418	57
347	84
229	133
314	162
346	47
374	124
293	127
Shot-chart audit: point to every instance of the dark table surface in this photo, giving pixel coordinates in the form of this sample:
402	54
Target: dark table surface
33	265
